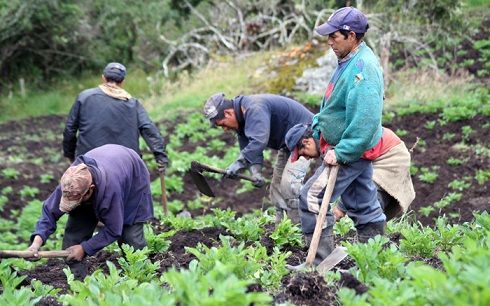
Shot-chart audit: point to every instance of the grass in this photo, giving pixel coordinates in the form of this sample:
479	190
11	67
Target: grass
231	76
60	96
423	87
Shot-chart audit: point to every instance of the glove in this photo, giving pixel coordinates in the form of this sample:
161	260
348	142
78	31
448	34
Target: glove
257	176
236	166
162	163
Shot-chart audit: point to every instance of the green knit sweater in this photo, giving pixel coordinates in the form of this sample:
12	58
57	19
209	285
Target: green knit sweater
350	119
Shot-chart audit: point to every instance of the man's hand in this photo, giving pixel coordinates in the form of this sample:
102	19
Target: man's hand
161	167
257	176
236	166
330	158
37	242
337	213
76	252
162	163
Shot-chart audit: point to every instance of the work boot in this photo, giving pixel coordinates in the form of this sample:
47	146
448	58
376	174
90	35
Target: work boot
370	230
78	268
325	246
293	214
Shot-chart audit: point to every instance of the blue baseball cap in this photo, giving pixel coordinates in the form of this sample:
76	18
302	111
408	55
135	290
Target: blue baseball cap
115	71
346	18
293	137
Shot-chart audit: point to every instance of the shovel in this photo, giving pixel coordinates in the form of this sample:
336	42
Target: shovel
196	173
30	254
339	253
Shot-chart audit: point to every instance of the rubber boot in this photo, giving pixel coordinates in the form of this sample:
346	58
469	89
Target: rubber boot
78	268
293	214
325	246
370	230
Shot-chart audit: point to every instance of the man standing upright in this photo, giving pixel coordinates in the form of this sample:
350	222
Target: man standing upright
108	114
349	123
262	121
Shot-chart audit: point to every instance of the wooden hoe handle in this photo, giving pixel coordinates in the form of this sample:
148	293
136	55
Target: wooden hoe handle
30	254
332	177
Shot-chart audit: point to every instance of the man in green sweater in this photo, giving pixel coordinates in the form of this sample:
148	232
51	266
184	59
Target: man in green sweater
349	122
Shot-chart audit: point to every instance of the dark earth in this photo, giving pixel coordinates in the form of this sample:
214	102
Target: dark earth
33	147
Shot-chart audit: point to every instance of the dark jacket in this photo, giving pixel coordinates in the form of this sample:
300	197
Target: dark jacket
122	195
101	119
264	120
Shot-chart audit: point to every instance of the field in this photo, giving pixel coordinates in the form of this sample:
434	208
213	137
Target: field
228	252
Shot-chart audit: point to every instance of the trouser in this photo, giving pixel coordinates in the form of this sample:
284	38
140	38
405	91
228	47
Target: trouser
354	185
80	227
287	179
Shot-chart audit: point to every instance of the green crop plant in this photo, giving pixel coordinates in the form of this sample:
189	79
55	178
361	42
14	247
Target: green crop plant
46	178
452	161
413	169
113	289
460	184
3	201
28	192
448	136
482	176
157	243
417	241
246	228
217	286
10	173
430	124
237	257
447	235
27	219
180	223
482	150
286	234
343	226
375	259
223	217
467	131
22	296
401	132
428	176
448	199
7	190
272	267
136	265
426	210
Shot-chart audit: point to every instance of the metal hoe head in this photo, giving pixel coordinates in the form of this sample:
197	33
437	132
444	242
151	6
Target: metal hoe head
199	180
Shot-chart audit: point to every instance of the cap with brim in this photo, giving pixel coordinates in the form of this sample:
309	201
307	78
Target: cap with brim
115	71
346	18
293	137
214	108
74	183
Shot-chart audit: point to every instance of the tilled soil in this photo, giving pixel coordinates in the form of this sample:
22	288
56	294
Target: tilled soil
33	147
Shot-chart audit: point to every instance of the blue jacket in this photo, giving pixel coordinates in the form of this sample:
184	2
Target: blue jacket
350	115
122	195
264	120
100	119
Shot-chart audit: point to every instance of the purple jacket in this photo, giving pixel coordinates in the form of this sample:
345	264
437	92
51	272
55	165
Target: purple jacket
122	195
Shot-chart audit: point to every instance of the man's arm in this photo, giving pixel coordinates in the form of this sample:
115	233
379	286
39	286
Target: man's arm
257	131
151	135
70	132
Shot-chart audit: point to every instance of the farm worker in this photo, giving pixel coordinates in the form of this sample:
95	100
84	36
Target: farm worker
391	169
261	121
350	121
110	183
109	114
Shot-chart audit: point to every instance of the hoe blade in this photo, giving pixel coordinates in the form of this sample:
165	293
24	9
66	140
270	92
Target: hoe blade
201	183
